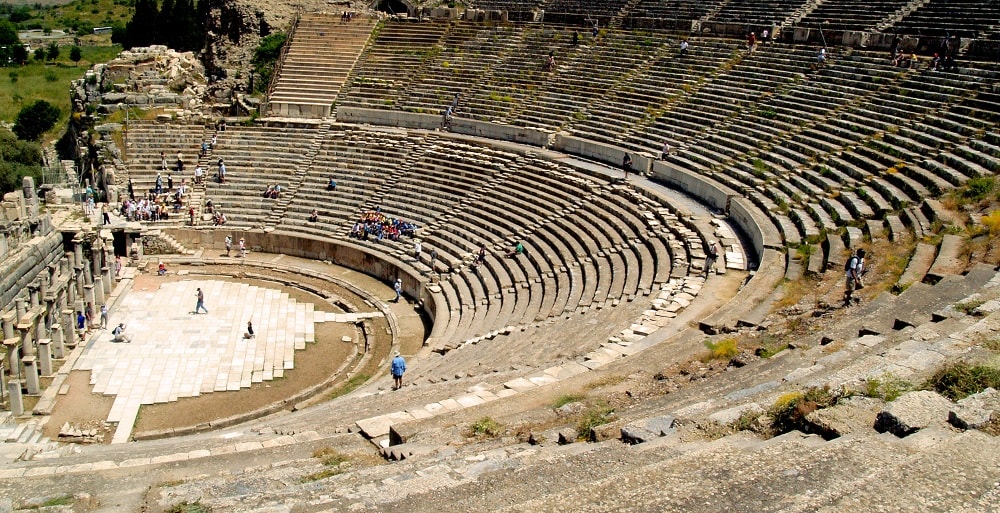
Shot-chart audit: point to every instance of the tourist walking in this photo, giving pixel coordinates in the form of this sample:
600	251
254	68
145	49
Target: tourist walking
398	287
710	257
626	164
104	316
243	248
398	368
201	302
229	244
853	271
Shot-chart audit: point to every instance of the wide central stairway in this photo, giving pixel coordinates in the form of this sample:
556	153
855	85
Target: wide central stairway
321	53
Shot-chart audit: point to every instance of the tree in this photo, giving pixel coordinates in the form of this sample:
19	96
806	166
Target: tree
52	51
141	29
39	54
75	53
8	33
17	160
20	54
36	119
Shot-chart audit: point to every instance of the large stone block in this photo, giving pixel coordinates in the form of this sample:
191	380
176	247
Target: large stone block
912	412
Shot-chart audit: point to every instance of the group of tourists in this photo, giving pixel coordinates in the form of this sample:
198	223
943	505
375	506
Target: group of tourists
374	223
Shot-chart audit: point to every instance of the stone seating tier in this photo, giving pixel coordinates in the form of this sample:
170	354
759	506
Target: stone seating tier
962	18
845	15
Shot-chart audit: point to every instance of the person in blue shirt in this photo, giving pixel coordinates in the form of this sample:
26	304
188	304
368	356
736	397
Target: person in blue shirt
398	368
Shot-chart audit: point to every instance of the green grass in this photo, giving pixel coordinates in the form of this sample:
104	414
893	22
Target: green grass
565	399
887	387
960	380
76	14
592	417
330	457
722	349
486	427
188	507
47	81
62	500
348	386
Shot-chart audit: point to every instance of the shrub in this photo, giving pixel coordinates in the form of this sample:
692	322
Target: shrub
887	387
592	417
992	222
723	349
330	456
790	410
36	119
979	188
486	427
969	307
960	380
188	507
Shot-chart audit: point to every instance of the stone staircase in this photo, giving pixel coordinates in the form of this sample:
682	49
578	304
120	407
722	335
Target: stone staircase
900	13
278	210
320	56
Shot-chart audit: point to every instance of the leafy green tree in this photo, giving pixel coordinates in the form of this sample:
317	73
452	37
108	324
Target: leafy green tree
17	160
36	119
8	33
142	29
39	54
52	51
264	57
20	54
75	53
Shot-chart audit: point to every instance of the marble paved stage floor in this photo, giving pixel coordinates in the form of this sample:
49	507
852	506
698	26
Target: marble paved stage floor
175	353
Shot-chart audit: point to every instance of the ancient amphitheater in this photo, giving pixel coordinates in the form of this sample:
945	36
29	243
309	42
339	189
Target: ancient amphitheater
572	376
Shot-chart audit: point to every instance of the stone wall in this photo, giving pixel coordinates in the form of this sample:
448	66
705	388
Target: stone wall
359	258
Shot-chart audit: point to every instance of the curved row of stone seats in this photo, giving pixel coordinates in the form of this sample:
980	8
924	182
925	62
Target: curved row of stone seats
667	14
845	14
590	72
754	12
361	162
515	78
715	104
583	11
962	18
566	221
395	57
255	157
639	98
147	139
468	51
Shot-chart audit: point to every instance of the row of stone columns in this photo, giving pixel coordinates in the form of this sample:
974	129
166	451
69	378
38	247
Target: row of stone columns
34	330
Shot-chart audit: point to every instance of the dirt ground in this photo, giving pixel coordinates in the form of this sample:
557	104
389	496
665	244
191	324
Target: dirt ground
315	364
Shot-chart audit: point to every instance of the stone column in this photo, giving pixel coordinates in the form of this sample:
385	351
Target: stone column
13	362
45	357
98	291
31	382
77	252
19	308
64	264
70	332
96	255
40	331
80	281
27	343
88	297
33	295
16	402
58	349
108	279
7	321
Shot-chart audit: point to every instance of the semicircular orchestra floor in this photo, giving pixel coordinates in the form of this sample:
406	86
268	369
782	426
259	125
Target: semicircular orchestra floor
174	353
